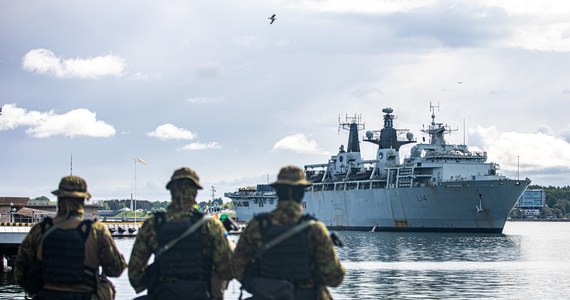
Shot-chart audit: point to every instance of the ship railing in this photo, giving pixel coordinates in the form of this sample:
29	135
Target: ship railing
347	185
470	156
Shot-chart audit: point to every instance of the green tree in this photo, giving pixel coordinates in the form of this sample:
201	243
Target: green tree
42	200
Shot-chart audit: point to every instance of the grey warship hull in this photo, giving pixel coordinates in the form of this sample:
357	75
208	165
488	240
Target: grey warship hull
451	206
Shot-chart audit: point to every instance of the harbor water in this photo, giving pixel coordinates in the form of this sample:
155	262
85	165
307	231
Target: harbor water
529	260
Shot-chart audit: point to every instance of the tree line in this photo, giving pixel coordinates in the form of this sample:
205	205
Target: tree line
116	204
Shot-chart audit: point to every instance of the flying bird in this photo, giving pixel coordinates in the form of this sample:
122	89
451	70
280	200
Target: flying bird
272	18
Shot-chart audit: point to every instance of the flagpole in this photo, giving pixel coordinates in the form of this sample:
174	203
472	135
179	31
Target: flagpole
135	194
134	202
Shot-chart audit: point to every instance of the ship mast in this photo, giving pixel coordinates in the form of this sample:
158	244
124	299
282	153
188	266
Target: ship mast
388	137
436	131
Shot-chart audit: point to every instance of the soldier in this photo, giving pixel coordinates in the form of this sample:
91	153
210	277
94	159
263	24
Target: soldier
304	264
196	266
66	251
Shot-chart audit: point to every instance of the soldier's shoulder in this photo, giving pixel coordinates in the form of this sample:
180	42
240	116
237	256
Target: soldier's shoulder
214	222
320	227
36	230
97	225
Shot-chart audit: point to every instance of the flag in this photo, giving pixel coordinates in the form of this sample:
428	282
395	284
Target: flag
141	161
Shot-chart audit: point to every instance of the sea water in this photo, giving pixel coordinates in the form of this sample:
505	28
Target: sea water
529	260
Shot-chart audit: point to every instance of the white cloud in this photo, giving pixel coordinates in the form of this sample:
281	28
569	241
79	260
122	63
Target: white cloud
566	133
545	130
533	152
171	132
299	143
44	61
196	100
202	146
78	122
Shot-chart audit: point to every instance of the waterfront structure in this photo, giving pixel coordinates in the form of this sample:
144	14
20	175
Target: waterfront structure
439	187
531	202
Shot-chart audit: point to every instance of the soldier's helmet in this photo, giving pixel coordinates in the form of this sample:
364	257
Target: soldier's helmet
291	175
72	187
184	173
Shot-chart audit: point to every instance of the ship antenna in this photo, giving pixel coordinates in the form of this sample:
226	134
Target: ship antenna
71	165
338	131
213	193
518	166
432	108
464	132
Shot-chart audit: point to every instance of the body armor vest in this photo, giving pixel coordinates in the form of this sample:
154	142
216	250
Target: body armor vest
63	254
289	260
185	260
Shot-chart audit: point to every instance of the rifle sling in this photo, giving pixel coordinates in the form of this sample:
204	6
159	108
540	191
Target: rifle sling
291	232
186	233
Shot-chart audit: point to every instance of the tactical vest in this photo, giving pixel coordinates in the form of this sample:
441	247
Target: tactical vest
290	260
63	255
185	260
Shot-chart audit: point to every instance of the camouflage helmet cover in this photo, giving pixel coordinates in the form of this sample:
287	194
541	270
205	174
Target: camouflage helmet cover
72	187
184	173
292	175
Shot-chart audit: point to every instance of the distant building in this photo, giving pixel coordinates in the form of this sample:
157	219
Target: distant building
532	201
20	210
9	207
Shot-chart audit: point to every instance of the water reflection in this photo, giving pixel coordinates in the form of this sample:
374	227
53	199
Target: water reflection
529	261
378	246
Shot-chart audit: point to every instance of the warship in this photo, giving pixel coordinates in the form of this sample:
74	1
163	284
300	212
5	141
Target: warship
437	187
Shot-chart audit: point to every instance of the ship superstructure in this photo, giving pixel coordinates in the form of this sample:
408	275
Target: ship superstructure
439	187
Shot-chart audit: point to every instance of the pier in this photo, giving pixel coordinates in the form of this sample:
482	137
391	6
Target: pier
13	233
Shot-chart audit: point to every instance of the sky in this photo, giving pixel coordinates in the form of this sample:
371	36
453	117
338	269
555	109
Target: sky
122	93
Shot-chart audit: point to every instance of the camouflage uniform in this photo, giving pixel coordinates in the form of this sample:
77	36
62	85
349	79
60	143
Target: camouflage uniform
328	270
100	248
216	246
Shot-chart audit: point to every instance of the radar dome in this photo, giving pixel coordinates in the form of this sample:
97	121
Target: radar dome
369	134
409	136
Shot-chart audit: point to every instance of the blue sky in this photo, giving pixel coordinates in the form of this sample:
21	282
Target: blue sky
211	85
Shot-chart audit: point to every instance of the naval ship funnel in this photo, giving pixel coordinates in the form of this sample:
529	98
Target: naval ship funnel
353	125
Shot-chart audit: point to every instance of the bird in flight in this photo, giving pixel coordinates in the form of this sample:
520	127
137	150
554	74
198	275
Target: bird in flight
272	18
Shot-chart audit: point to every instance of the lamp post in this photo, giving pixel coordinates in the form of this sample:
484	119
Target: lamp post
137	160
12	213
